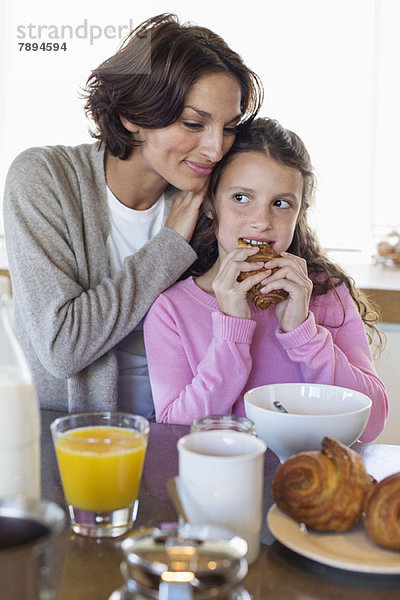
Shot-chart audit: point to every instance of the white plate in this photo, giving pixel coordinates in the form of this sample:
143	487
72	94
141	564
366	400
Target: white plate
351	550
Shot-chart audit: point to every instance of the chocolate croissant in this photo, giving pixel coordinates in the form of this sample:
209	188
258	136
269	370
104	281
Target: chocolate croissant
382	518
264	254
326	490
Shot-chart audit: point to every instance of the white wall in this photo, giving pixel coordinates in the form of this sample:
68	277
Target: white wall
329	67
388	367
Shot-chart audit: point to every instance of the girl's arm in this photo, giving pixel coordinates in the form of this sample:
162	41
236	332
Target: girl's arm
338	355
198	365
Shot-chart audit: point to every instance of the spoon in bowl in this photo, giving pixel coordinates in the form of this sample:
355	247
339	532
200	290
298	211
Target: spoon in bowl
280	407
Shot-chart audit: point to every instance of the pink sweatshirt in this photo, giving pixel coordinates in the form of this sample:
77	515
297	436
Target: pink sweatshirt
202	361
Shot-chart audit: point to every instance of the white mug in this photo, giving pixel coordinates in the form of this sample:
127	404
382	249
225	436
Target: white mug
221	477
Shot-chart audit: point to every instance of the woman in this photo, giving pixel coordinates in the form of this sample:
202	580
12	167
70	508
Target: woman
95	232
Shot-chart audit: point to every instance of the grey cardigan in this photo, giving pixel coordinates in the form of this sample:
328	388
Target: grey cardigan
69	311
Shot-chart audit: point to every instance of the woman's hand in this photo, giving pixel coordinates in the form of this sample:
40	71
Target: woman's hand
231	294
184	212
292	277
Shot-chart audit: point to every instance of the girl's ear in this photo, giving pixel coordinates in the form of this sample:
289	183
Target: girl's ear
129	125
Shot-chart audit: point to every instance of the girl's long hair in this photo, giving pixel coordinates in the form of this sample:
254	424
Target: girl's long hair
284	146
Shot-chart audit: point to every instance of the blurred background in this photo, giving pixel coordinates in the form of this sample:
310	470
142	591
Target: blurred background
329	67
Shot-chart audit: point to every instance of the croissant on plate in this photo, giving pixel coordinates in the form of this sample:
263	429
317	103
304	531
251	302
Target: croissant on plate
326	490
264	254
382	518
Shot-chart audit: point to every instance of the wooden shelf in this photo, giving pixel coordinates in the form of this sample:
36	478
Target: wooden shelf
382	285
388	303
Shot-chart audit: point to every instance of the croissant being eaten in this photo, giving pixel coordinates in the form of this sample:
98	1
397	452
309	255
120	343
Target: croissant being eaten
382	518
264	254
326	490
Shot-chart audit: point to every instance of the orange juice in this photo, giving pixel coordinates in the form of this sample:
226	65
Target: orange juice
101	467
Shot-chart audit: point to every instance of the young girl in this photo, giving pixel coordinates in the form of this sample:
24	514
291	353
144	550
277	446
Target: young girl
207	345
95	232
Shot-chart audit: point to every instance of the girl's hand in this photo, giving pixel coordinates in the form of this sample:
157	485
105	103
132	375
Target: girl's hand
292	277
185	211
231	294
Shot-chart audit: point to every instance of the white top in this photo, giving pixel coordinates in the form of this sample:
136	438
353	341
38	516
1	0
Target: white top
130	229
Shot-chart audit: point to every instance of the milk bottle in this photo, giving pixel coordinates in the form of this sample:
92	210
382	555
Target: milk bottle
19	412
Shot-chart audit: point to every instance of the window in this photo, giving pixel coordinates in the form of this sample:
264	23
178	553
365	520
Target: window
329	68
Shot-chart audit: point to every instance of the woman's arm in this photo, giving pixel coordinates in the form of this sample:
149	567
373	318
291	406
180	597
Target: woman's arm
199	364
338	355
73	311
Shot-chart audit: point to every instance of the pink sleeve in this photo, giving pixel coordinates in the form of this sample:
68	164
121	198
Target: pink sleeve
187	380
339	356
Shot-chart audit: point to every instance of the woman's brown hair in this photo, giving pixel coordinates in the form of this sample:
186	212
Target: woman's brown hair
147	80
284	146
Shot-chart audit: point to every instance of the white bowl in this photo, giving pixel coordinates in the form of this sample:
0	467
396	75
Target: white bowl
314	411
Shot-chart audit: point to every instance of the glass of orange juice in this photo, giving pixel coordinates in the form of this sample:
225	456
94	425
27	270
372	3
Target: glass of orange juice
100	457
